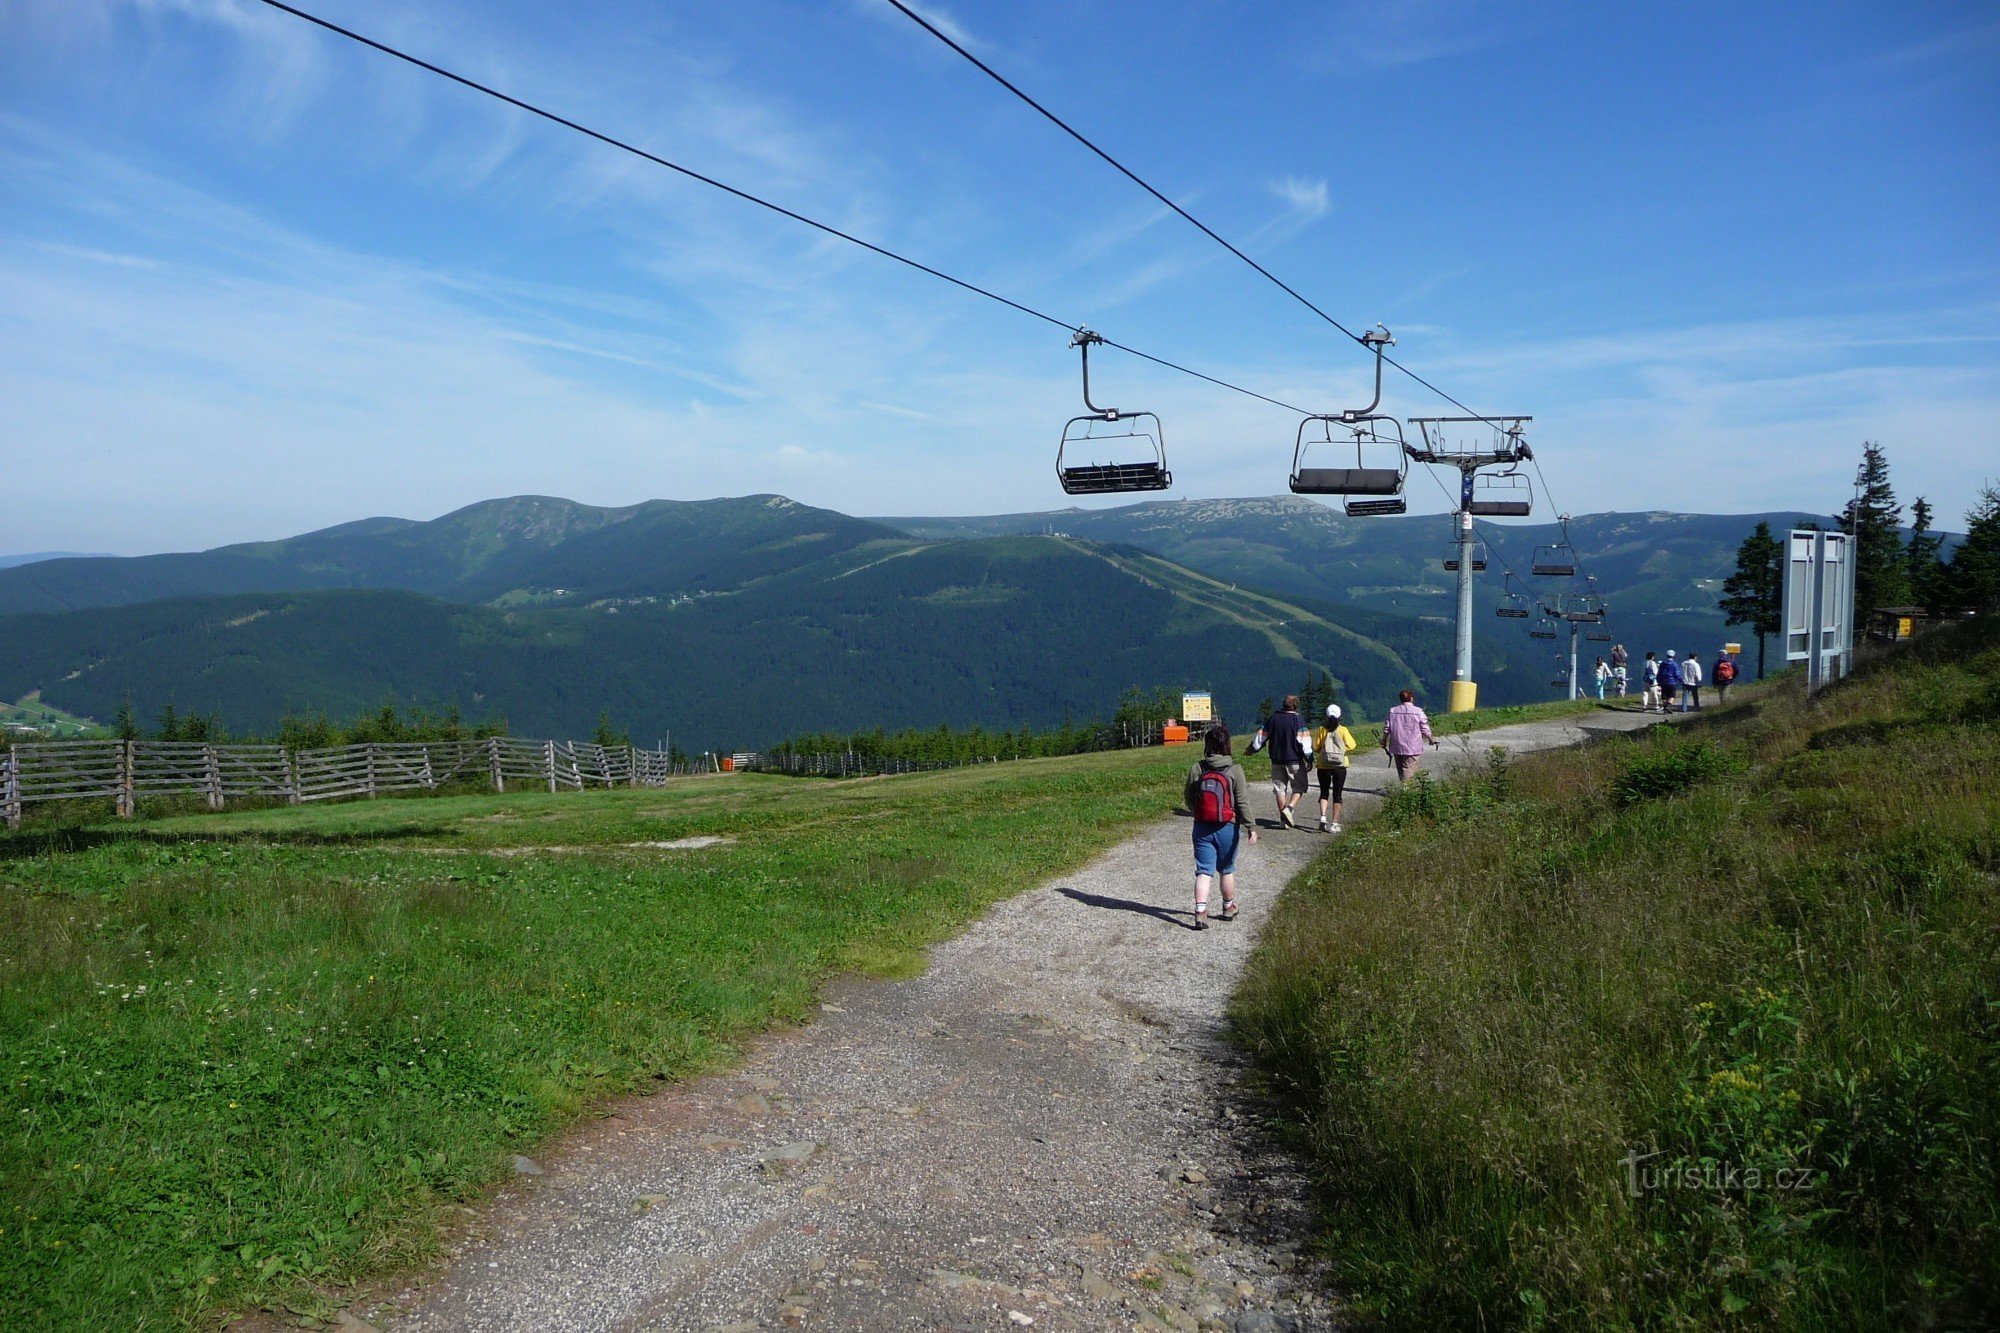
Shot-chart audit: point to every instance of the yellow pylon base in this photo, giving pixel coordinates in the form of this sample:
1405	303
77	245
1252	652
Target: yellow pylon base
1464	696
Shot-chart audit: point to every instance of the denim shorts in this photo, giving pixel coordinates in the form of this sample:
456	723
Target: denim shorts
1215	848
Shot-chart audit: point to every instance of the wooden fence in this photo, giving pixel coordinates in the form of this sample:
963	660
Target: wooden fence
123	771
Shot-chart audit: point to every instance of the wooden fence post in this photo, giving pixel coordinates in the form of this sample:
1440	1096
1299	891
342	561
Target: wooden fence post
10	787
211	776
430	774
549	758
369	750
125	800
288	761
493	763
632	765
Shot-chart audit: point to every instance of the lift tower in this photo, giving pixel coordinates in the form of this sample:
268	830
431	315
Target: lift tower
1442	446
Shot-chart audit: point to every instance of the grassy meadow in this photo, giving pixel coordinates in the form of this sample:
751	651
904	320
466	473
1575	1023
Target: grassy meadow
248	1056
1695	1030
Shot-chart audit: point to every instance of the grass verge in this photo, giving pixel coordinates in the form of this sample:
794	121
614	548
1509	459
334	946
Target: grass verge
1700	1029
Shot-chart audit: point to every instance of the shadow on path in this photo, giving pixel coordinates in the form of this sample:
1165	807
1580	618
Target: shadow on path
1184	920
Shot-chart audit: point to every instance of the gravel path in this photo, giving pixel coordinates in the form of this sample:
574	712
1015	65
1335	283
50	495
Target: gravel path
1045	1130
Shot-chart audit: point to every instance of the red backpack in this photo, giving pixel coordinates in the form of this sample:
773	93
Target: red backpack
1725	671
1215	801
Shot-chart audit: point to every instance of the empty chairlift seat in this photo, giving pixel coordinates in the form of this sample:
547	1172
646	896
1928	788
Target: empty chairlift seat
1502	495
1108	452
1374	484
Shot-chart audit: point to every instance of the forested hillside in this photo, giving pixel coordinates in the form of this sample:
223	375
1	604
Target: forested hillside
999	632
1660	572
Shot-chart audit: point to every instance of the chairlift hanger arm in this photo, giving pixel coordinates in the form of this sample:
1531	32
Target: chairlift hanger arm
1374	342
1081	340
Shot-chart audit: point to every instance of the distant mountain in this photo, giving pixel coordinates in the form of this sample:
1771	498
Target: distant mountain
34	557
527	549
1660	572
997	631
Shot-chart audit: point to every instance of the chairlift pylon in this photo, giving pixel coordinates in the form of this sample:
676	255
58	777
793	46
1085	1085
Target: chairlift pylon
1136	436
1368	487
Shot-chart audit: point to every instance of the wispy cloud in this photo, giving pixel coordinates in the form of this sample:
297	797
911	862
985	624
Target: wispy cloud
1307	198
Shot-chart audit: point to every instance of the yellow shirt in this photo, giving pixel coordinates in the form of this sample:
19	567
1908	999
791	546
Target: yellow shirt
1319	747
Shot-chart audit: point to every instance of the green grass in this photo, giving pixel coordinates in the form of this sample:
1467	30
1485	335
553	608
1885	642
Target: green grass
252	1056
1763	941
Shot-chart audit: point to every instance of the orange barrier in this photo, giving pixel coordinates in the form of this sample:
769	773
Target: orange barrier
1174	735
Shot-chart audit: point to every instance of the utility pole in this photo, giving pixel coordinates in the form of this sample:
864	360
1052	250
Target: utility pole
1508	450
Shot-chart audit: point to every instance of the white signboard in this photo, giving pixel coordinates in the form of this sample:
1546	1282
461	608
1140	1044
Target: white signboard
1819	604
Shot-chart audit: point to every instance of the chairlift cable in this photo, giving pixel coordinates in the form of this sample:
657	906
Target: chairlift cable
745	195
1143	184
1113	162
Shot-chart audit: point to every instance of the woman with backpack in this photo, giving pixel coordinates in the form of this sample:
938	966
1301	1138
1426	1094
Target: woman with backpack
1603	676
1333	745
1215	794
1649	679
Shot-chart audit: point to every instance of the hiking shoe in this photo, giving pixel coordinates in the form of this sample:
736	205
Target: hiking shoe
1285	816
1228	912
1334	829
1201	921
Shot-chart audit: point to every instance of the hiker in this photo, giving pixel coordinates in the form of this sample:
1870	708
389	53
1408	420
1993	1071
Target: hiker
1215	793
1404	734
1649	681
1670	682
1724	673
1603	674
1618	664
1285	735
1691	683
1332	746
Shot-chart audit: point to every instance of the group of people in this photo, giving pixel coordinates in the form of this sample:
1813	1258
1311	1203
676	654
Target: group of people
1665	682
1216	789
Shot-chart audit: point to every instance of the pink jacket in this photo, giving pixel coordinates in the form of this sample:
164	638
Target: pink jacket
1407	729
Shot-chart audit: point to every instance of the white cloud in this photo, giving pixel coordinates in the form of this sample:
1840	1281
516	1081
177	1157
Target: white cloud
1306	198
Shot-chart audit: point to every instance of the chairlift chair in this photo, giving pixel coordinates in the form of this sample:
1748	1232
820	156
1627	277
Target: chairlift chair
1369	487
1558	559
1501	495
1478	557
1132	440
1516	605
1597	636
1544	628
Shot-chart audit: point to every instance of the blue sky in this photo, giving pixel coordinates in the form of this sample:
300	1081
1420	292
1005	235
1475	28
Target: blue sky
255	280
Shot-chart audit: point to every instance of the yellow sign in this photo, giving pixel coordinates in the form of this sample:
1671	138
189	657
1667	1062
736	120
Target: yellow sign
1905	626
1197	706
1732	649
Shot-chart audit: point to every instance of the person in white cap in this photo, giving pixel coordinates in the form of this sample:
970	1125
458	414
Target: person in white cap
1333	744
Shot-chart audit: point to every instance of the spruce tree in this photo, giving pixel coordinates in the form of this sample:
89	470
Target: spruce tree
1972	579
1872	520
1923	565
1754	594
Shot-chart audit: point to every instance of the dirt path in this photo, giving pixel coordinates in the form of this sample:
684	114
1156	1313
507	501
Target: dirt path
1045	1129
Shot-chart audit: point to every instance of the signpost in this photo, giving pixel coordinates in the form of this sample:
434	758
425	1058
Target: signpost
1819	604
